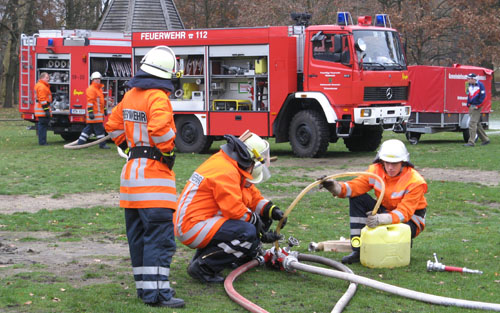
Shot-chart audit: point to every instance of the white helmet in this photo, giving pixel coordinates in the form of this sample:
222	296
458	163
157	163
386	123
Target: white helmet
393	151
160	62
95	75
259	152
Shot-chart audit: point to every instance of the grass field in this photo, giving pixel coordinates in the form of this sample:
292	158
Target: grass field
462	228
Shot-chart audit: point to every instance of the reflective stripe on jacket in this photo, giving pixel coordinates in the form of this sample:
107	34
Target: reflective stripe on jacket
404	194
43	96
145	118
95	103
215	193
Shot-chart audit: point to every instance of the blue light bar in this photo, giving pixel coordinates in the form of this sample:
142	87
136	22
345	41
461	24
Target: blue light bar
382	20
344	18
50	42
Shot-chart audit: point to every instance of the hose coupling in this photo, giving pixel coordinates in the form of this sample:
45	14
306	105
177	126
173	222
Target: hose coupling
288	261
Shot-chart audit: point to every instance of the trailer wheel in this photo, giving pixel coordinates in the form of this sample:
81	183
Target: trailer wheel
69	137
413	137
190	136
364	138
309	134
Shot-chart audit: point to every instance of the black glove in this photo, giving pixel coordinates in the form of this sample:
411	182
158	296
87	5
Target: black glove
91	115
272	211
105	112
257	222
270	236
47	113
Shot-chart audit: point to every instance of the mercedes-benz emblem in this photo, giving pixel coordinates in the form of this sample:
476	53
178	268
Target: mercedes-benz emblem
388	93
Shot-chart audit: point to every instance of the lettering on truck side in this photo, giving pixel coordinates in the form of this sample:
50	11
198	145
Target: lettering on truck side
176	35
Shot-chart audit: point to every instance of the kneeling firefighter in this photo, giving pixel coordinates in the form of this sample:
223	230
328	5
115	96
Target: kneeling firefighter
403	201
221	213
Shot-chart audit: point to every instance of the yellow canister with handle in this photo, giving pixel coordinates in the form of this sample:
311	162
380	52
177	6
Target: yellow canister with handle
385	246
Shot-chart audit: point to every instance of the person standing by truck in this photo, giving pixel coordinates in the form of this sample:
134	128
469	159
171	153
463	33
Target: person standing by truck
142	124
96	110
475	99
43	98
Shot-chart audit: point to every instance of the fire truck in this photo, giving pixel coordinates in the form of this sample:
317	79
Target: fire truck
439	102
69	57
307	85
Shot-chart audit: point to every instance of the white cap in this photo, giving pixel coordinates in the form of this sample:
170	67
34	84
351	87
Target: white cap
95	75
393	151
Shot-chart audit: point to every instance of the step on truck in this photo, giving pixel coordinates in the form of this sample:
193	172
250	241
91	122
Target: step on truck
307	85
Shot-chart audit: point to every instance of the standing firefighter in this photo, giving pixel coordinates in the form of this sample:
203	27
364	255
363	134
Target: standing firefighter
96	110
403	200
475	99
142	124
43	98
221	213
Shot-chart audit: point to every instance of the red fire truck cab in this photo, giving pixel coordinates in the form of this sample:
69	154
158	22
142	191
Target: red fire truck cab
306	85
69	57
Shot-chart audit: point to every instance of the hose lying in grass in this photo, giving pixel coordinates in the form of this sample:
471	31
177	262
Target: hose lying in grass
75	146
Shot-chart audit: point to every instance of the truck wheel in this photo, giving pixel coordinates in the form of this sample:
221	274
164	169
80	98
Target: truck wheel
364	138
309	134
190	136
69	137
413	137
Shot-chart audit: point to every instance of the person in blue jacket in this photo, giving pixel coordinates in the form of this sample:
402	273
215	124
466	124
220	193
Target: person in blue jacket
475	99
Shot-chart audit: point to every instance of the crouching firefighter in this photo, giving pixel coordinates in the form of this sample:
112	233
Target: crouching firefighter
142	124
221	213
403	200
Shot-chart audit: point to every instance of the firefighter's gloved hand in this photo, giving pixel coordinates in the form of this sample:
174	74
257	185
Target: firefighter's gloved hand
272	211
105	112
47	113
373	221
257	222
91	115
270	237
330	184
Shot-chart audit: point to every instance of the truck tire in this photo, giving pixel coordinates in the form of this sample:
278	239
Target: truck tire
69	137
413	137
309	134
190	136
364	139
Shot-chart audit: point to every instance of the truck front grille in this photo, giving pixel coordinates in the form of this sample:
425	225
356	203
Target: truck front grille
385	93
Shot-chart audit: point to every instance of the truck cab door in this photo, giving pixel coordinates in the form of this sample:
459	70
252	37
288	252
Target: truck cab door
329	67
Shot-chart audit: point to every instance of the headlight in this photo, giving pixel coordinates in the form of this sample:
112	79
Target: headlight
407	111
366	112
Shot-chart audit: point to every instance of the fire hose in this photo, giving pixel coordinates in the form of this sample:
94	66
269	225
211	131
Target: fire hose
290	261
75	146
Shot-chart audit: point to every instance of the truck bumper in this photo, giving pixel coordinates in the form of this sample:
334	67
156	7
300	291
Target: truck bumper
385	116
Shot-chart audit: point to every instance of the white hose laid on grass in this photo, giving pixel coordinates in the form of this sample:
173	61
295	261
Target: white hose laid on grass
75	146
292	263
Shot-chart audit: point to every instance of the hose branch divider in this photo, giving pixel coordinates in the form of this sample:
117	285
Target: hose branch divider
75	146
317	182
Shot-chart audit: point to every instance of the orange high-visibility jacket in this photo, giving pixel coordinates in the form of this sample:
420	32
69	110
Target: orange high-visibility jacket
145	118
404	194
43	96
216	192
95	102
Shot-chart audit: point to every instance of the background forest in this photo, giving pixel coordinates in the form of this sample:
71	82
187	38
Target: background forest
435	32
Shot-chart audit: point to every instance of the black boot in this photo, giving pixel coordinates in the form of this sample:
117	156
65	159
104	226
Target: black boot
202	273
351	258
172	303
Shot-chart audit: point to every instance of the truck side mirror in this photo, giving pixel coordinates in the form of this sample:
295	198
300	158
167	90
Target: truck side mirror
337	42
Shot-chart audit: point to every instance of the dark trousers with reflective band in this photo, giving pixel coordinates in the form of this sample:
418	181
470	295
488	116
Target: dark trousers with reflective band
97	129
359	207
235	242
151	240
42	125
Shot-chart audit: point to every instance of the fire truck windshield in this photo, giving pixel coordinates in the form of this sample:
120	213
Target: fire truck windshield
383	50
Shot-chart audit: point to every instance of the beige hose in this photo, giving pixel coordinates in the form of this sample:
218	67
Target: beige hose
317	182
75	146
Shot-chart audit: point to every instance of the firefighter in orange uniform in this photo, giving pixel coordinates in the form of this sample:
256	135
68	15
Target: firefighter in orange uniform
403	201
43	98
142	124
221	213
96	110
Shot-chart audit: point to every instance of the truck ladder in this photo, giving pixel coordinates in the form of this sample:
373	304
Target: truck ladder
24	70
